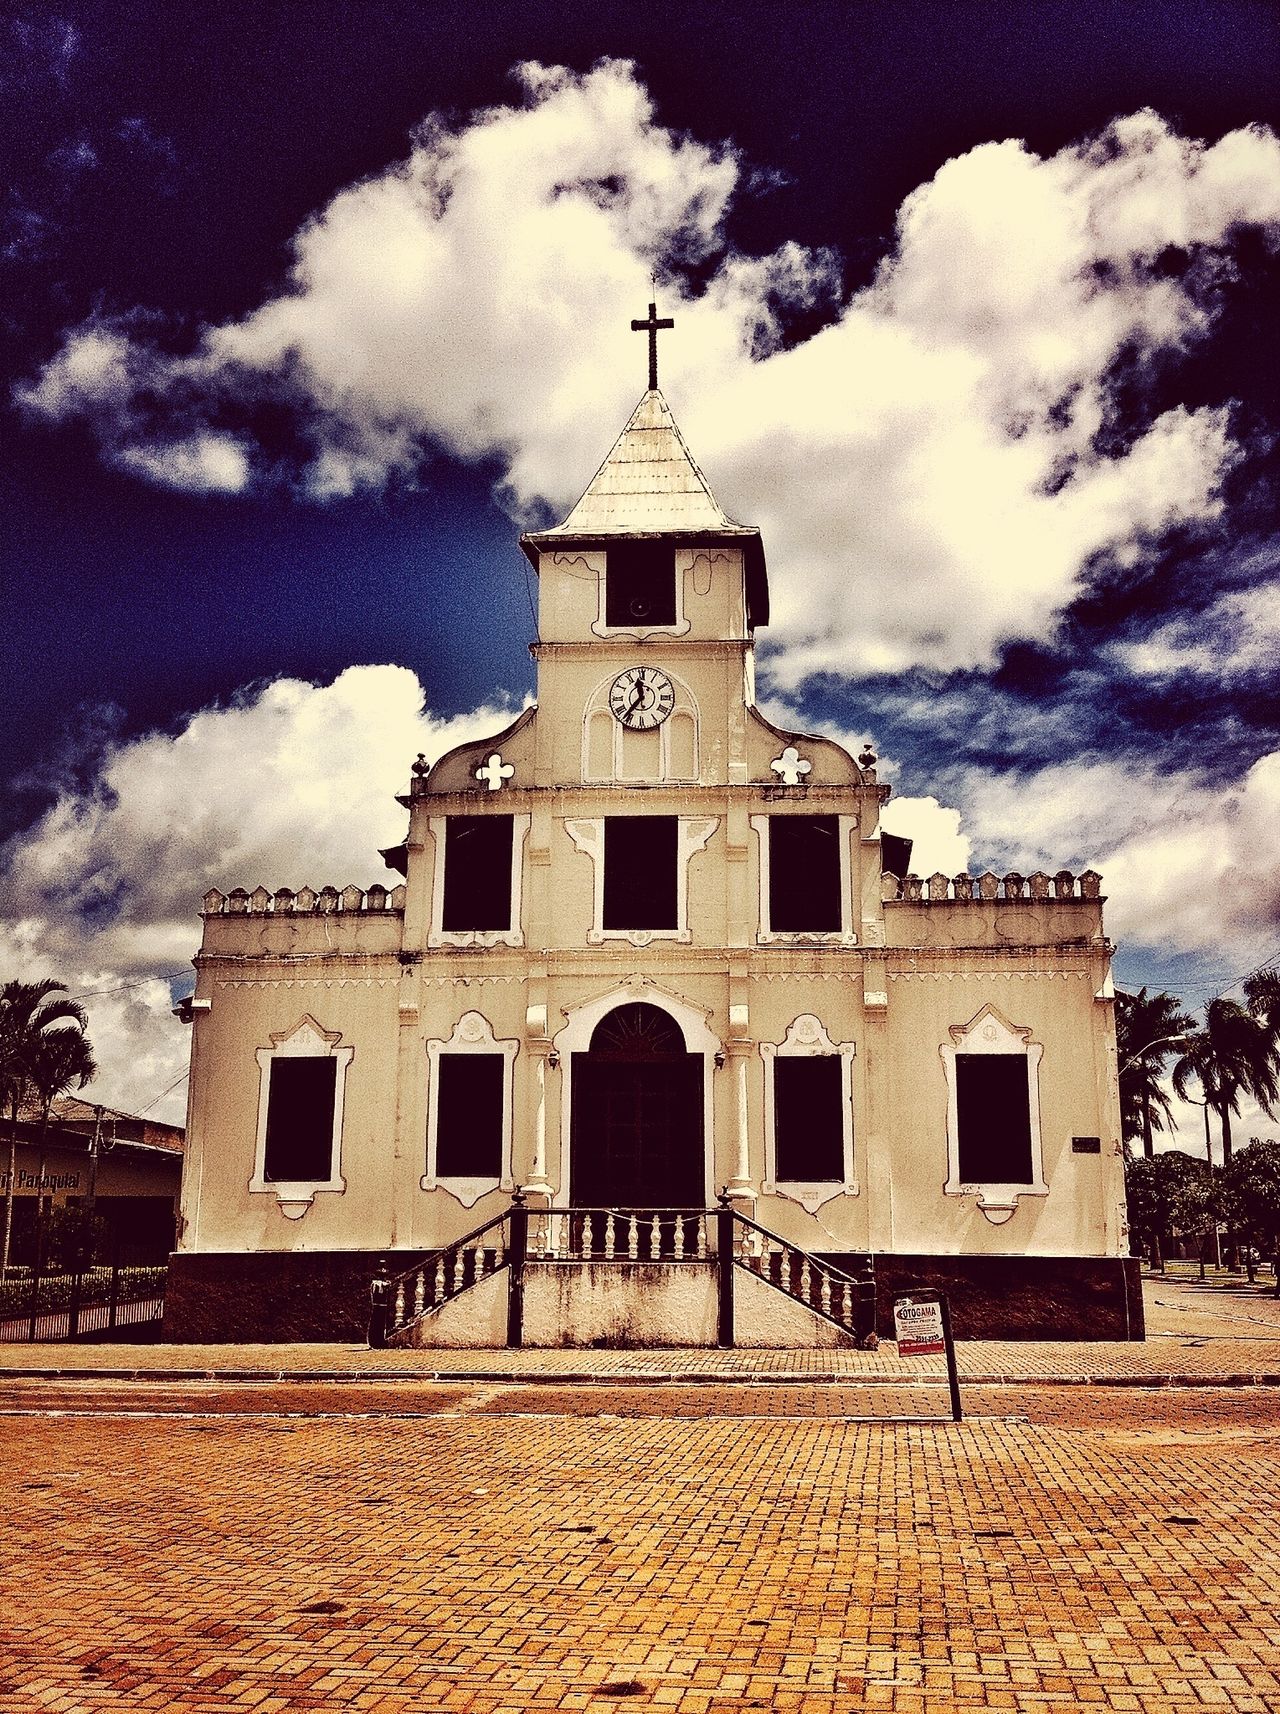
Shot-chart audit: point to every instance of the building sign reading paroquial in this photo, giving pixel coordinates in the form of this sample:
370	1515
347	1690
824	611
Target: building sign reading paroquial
918	1327
32	1181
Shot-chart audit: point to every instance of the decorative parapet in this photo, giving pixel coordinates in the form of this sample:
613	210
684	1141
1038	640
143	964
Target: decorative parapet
351	901
970	889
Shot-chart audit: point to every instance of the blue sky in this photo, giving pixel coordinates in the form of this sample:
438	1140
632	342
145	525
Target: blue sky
975	316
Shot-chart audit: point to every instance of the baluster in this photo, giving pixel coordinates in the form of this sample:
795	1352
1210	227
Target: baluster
437	1293
397	1317
702	1237
459	1268
846	1306
633	1238
678	1239
655	1239
419	1292
588	1236
826	1293
499	1252
608	1235
805	1279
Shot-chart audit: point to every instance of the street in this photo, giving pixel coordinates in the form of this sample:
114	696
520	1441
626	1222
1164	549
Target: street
210	1546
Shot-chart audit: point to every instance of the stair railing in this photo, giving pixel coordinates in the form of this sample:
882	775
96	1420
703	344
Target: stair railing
448	1272
848	1300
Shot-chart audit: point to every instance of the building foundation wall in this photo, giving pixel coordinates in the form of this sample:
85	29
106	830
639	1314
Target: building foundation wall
1017	1297
305	1297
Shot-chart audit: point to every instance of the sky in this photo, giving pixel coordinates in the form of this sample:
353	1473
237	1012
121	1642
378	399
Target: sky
306	311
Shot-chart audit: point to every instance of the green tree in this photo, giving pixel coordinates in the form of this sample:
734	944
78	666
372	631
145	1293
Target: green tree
1252	1185
1171	1194
1234	1054
1148	1210
1191	1194
1148	1029
30	1013
59	1061
1262	996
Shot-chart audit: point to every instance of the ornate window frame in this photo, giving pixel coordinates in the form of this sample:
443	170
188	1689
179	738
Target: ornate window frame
601	628
437	934
847	934
991	1032
693	834
304	1040
806	1038
575	1037
472	1033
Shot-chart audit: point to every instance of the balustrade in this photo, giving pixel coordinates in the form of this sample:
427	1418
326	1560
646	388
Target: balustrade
619	1236
445	1273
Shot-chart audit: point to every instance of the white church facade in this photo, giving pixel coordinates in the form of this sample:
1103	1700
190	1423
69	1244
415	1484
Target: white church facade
645	954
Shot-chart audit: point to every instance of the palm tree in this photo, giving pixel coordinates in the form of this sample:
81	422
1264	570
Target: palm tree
59	1061
1262	996
1236	1053
1148	1028
30	1012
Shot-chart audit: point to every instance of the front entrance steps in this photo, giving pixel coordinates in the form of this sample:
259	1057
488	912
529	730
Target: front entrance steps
636	1278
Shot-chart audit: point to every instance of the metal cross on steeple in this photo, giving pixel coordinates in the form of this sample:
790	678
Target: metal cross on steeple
653	326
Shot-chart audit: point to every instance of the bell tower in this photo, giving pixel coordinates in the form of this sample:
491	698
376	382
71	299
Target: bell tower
649	596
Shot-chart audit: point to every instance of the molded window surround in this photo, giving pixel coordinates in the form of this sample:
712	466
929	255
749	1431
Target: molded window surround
806	1038
846	934
472	1034
664	553
990	1033
693	833
513	934
306	1040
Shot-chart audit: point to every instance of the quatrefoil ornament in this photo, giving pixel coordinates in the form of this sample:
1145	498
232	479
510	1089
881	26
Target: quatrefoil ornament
790	767
495	771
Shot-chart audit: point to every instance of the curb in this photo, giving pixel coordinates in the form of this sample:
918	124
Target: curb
664	1378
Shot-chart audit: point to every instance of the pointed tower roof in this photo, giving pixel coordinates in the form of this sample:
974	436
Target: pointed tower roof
650	487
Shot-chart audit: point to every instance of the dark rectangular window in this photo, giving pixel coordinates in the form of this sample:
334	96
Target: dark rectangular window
808	1118
469	1115
993	1108
640	584
477	873
640	871
804	874
300	1096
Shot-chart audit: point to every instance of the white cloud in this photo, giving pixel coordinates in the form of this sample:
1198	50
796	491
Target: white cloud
206	463
924	468
1236	637
291	784
1187	865
939	846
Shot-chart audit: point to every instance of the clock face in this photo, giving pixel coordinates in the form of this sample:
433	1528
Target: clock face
641	698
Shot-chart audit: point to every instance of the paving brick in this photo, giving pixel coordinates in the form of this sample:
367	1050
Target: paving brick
486	1547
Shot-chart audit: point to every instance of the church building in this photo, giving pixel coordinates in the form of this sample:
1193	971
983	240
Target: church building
649	984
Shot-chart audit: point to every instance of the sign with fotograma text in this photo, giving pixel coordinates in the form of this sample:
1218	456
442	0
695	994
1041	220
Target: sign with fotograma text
917	1326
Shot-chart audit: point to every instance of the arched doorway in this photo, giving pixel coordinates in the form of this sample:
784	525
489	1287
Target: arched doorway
637	1119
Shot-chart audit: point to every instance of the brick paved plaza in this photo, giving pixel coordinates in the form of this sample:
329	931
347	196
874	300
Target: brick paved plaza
400	1545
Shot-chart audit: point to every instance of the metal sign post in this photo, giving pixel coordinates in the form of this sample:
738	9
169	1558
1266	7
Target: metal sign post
922	1326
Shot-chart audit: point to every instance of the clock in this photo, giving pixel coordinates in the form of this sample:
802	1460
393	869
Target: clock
641	698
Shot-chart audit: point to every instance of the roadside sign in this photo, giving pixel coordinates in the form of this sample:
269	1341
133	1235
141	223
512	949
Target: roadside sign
918	1327
922	1325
